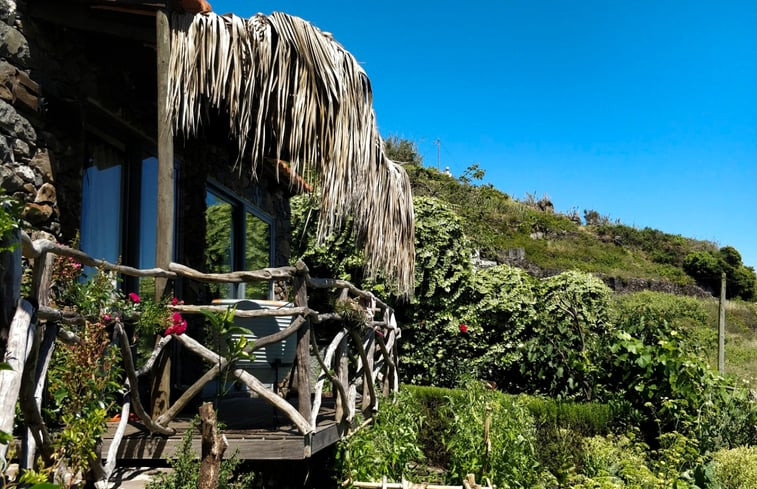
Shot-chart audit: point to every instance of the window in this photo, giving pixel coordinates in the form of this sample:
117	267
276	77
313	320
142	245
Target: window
101	207
238	236
118	216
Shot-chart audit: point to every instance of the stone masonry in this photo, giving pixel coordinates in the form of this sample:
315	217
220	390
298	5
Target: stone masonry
27	171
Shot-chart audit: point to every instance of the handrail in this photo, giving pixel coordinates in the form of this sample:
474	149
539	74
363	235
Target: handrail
374	365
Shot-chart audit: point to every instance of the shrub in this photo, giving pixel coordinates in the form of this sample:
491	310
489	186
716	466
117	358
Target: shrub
186	468
84	381
429	350
585	418
388	448
736	468
507	457
501	308
566	343
615	461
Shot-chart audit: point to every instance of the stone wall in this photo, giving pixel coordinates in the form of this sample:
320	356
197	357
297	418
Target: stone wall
27	171
49	77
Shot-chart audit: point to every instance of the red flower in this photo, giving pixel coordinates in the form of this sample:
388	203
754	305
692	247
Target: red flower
134	297
178	325
174	301
463	328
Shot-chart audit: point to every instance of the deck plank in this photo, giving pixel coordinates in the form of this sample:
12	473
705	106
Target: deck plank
253	434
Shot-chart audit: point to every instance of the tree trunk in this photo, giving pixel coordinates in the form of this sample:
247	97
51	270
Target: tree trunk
213	446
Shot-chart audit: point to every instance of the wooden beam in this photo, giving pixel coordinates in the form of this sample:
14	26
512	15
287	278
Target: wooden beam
303	344
161	385
19	342
165	201
213	448
721	326
81	17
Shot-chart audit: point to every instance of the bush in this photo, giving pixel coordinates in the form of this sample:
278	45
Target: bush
615	461
186	468
652	315
429	350
736	468
585	418
501	308
565	346
388	448
507	457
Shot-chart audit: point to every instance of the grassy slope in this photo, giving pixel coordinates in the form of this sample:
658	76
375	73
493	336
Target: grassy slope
497	223
740	337
553	241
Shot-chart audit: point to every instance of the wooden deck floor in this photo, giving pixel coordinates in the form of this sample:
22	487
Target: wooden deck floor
253	429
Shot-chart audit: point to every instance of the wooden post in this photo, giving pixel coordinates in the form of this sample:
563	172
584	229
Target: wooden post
33	380
369	394
303	343
213	446
161	384
10	281
19	341
721	327
342	373
165	207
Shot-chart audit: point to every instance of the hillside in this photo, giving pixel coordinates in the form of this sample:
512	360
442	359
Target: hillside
531	235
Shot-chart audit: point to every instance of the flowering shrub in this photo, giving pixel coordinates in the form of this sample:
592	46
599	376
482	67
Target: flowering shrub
84	383
178	325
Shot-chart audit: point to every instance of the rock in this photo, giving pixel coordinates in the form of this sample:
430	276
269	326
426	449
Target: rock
9	180
38	234
46	194
26	173
6	153
37	214
17	88
8	11
41	165
15	125
21	149
6	93
13	45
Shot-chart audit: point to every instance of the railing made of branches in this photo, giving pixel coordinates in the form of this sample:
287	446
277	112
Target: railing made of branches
372	342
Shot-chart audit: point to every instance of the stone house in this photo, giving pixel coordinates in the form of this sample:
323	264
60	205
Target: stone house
79	148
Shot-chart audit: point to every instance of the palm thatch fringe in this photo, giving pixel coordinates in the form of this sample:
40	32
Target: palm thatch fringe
291	92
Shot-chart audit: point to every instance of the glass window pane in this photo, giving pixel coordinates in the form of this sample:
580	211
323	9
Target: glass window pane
218	242
257	254
100	234
148	222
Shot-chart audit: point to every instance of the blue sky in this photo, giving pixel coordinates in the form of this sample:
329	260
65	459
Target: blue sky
645	111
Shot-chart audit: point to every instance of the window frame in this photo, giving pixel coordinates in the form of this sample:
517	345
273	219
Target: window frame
240	207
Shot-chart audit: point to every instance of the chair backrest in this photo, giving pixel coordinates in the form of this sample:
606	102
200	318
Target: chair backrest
272	363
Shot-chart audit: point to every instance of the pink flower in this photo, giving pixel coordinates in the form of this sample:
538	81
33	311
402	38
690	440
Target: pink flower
134	297
178	325
174	301
107	318
463	328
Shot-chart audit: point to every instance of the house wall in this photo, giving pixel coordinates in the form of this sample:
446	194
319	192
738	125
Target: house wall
60	89
27	164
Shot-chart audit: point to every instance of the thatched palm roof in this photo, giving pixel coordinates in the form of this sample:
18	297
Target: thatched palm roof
291	92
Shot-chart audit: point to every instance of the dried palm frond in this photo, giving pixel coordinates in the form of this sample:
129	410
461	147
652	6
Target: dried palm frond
293	92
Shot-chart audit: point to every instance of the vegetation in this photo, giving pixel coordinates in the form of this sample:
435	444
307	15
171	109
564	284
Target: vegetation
186	469
498	224
9	212
644	357
437	435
